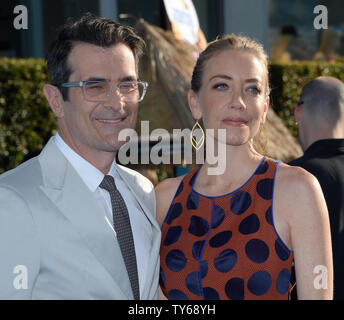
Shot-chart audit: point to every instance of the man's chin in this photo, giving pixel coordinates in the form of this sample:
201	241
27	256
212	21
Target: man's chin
111	148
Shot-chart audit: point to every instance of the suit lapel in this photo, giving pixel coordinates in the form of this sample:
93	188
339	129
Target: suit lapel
138	192
67	191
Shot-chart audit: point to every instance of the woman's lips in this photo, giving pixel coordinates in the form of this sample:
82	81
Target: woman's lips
235	122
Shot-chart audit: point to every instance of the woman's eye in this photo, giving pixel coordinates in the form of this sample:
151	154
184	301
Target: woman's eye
220	86
254	90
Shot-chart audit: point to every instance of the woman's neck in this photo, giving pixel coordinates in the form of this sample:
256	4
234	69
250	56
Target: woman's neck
239	163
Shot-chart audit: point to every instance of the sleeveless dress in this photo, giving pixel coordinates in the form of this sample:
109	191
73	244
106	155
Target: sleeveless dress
225	247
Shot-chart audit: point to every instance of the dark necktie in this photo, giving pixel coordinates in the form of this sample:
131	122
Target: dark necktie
124	233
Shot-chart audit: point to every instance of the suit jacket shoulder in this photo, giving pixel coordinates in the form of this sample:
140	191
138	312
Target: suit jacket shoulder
142	181
19	176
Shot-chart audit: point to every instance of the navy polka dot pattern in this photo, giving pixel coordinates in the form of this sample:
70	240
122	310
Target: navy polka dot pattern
250	224
282	284
177	295
162	278
197	249
203	268
259	283
180	189
192	202
198	226
193	284
225	247
263	168
264	188
220	239
174	212
173	235
235	289
218	216
281	251
240	202
268	216
175	260
210	294
226	260
257	250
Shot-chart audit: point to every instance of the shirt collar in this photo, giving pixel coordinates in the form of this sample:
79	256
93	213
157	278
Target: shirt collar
326	146
91	176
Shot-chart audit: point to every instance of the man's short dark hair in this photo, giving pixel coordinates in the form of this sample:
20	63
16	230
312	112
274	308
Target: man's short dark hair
91	29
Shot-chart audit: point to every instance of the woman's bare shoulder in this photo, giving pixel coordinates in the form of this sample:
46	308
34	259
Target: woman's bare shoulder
168	185
297	189
165	192
295	178
300	203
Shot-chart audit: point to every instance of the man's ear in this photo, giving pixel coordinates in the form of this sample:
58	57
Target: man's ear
194	104
298	114
54	98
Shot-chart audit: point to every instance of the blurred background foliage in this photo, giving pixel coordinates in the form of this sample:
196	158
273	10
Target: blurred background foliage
27	123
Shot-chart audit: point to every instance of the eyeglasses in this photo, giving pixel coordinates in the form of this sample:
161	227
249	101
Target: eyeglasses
100	90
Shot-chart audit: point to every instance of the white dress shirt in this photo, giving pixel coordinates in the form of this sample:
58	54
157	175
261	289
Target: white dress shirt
92	177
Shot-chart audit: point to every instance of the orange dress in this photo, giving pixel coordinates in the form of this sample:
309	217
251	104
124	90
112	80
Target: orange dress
225	247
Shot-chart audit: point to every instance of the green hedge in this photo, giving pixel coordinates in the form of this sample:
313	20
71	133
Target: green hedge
26	122
287	80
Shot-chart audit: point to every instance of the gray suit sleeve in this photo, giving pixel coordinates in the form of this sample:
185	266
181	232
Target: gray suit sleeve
157	269
153	200
19	247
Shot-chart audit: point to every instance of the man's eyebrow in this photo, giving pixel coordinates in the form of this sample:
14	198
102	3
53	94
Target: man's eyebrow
128	78
96	79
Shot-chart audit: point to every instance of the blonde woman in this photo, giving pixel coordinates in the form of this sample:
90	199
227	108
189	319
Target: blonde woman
236	235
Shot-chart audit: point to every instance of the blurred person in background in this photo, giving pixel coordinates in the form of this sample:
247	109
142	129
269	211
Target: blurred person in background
320	118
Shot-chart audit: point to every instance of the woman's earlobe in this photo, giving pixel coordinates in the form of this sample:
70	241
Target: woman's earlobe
267	103
194	105
266	109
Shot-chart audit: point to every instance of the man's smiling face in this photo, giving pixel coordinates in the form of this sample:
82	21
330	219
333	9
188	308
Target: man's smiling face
92	127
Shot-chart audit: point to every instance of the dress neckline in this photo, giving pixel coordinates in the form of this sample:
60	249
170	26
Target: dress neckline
229	193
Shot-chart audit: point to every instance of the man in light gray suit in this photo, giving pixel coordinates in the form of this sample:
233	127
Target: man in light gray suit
66	230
